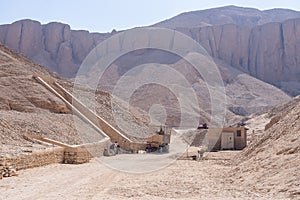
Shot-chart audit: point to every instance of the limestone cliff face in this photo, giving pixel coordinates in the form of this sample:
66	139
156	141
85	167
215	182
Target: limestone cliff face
269	52
53	45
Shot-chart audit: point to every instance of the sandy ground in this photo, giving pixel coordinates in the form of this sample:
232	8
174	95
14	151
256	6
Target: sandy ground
184	179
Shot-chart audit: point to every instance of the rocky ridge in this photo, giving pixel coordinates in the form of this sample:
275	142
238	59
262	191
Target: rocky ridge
240	16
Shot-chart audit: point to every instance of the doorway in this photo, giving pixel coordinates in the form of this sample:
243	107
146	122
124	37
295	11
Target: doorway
227	140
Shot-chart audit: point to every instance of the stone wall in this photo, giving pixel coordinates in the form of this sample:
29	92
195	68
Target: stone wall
68	155
83	153
96	149
76	155
37	159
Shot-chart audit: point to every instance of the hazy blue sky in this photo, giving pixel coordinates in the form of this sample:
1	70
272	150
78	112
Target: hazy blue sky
103	16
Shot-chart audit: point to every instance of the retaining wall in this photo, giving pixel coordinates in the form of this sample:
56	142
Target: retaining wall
68	155
37	159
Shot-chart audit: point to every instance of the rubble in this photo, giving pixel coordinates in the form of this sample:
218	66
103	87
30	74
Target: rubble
7	170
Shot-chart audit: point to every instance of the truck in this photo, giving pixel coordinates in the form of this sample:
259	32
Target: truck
159	142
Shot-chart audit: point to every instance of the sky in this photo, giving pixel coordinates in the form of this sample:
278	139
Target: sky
104	16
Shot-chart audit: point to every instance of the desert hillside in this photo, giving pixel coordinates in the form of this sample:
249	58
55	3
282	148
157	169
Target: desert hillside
272	160
244	94
27	107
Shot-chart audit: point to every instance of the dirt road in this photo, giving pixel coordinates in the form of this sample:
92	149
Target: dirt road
182	180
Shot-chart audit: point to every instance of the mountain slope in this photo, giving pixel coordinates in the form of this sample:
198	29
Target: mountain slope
228	15
271	163
28	107
245	95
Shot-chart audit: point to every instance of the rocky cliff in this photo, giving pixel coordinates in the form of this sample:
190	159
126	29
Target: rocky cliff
269	52
264	44
53	45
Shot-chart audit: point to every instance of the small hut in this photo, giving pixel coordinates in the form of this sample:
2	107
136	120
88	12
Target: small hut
216	139
229	138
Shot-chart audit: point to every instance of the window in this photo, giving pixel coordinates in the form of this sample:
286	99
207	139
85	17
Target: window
238	133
